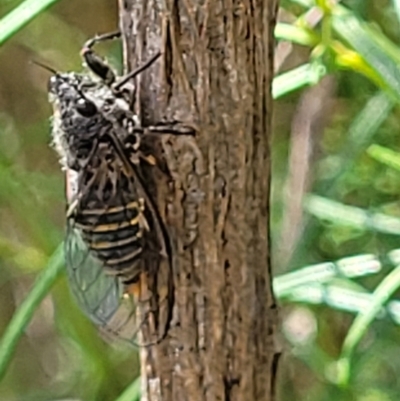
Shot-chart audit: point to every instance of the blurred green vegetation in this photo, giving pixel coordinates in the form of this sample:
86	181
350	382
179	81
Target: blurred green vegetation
336	156
60	354
336	210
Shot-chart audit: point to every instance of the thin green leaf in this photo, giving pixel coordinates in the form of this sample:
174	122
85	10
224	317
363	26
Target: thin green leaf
305	3
336	296
295	34
327	283
350	267
363	320
385	155
376	49
132	392
341	298
24	314
358	137
20	16
307	74
352	216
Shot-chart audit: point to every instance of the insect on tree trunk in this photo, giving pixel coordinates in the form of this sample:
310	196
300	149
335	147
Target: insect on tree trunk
215	74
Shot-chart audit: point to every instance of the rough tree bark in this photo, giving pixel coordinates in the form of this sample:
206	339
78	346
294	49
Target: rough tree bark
215	73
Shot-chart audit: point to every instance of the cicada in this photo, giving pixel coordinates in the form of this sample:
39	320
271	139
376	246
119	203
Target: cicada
116	248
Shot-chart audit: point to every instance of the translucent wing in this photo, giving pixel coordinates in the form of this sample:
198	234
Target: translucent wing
99	295
103	298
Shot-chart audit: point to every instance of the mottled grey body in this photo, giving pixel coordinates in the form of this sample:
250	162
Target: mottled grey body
94	133
116	240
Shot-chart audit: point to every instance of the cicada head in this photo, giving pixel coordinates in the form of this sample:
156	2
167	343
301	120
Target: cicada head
85	110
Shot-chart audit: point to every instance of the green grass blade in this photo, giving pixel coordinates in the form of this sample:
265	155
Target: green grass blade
350	267
358	137
305	3
331	283
335	296
20	16
385	155
307	74
26	310
295	34
363	320
341	298
377	50
132	392
351	216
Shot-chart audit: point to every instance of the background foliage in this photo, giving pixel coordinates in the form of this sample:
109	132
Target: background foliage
336	215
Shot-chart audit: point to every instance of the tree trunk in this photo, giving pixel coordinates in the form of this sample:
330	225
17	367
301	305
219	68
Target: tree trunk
215	74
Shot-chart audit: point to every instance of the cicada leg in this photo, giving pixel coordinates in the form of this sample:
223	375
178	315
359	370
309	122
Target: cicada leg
102	69
95	62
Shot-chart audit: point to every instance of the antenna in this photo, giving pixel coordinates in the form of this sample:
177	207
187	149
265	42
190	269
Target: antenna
44	66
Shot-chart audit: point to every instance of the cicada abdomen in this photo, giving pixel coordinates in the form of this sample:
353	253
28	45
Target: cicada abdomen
110	214
117	253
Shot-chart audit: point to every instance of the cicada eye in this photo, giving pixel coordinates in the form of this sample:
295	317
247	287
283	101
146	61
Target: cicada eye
85	107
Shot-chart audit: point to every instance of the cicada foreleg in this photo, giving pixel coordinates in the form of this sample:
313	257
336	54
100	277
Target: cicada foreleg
103	70
95	62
